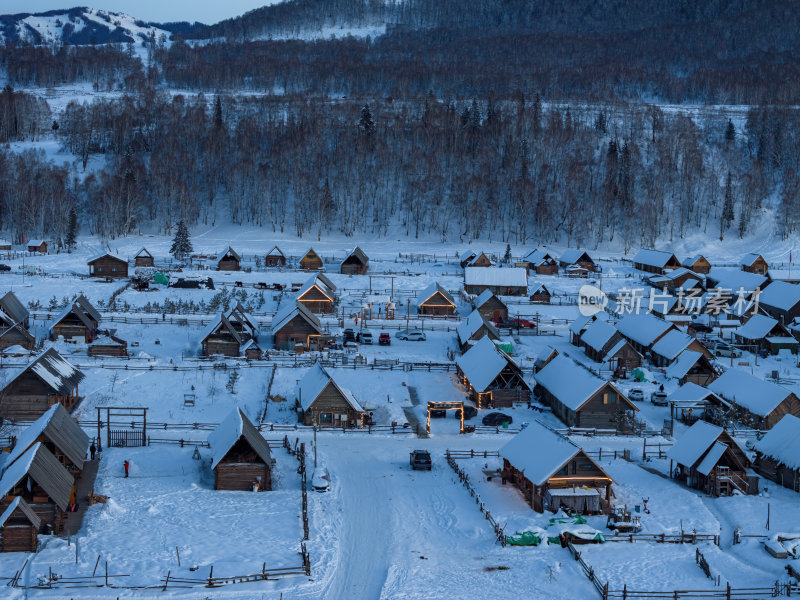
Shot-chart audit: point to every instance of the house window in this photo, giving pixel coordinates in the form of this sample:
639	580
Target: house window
610	397
574	467
586	467
564	471
326	417
113	269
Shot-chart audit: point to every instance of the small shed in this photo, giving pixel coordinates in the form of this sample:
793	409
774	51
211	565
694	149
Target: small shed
491	307
576	256
355	263
14	323
697	263
275	258
19	527
295	326
492	377
503	281
5	245
311	261
481	259
541	294
221	338
667	349
553	473
109	266
325	403
143	258
655	261
108	344
754	263
243	322
241	459
77	323
778	453
540	262
677	278
318	294
228	260
435	300
37	246
603	343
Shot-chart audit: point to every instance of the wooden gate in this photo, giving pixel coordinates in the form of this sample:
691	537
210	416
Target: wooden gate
126	438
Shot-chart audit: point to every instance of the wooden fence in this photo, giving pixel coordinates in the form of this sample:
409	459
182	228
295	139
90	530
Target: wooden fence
464	479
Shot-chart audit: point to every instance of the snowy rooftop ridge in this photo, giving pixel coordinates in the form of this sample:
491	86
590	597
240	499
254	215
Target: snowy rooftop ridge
500	276
228	432
482	363
748	391
757	327
61	429
44	468
314	382
643	328
782	442
780	295
54	370
572	384
652	258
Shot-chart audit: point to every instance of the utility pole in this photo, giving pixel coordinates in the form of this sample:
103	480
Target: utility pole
408	311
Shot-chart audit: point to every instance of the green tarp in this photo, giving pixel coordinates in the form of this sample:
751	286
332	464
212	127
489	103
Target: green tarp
159	277
525	538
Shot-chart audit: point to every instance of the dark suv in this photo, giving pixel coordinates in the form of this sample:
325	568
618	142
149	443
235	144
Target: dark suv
349	335
420	460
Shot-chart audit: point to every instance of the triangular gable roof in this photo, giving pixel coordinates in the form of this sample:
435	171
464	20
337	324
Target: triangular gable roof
467	255
276	252
228	250
87	306
643	328
221	322
24	507
749	259
782	442
11	306
470	326
321	282
316	380
475	258
235	426
781	295
681	366
598	333
672	344
541	289
653	258
54	370
311	251
692	260
759	327
482	363
289	311
106	255
72	309
691	392
429	291
540	453
538	257
44	468
60	429
572	256
750	392
485	296
143	252
359	254
711	458
22	331
240	315
696	445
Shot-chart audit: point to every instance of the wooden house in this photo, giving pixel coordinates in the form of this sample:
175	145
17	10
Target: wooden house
143	258
643	330
318	294
77	323
581	323
251	350
581	399
48	379
691	366
46	486
294	327
754	263
760	403
228	260
541	294
19	527
325	403
580	258
491	307
502	281
604	344
778	453
311	261
473	328
676	278
355	263
243	322
539	262
14	323
655	261
435	300
465	258
698	264
553	473
707	458
37	246
734	279
108	344
765	333
241	459
108	266
544	357
14	311
691	401
492	377
669	346
481	259
275	258
5	245
57	431
781	300
221	338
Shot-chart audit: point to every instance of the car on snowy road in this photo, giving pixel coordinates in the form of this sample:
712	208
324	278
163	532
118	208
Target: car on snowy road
415	335
4	267
321	479
636	394
659	398
524	323
496	419
384	339
420	460
726	350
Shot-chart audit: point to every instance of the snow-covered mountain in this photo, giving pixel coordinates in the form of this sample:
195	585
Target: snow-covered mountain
79	26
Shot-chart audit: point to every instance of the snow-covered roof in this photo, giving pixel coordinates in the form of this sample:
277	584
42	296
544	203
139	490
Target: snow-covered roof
472	324
749	259
496	276
539	453
676	273
736	279
482	363
572	384
690	262
573	255
691	392
643	328
314	381
429	291
474	259
748	391
54	370
239	315
359	254
217	325
44	468
711	458
538	257
681	366
35	242
653	258
143	252
693	444
757	327
321	282
598	334
467	255
19	503
106	255
780	295
276	252
782	442
235	426
672	344
61	429
289	311
616	348
11	306
484	297
226	251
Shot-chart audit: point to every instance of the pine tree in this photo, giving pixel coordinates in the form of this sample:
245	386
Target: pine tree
366	124
727	208
181	244
218	113
72	229
537	115
730	132
507	255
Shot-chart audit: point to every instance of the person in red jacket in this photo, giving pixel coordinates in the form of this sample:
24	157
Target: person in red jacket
126	464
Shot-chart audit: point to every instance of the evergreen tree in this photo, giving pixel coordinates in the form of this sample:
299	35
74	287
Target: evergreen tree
600	122
218	113
537	115
475	115
72	229
366	124
730	132
727	208
507	255
181	244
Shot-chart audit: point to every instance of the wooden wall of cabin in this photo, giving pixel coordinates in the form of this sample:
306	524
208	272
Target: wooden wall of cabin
28	398
598	412
274	261
297	330
779	473
13	337
228	264
353	266
18	538
330	401
110	350
242	476
221	346
144	261
492	310
108	267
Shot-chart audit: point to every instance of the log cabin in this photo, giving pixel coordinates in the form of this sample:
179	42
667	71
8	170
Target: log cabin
13	311
778	453
677	278
37	246
143	258
108	344
766	334
38	478
502	281
221	338
575	256
435	300
57	431
241	459
604	344
544	357
275	258
294	327
553	473
473	328
541	295
492	378
692	367
581	399
733	279
19	527
481	259
760	403
108	266
491	307
698	264
581	323
5	245
669	346
781	300
325	403
48	379
251	350
655	261
707	458
228	260
643	330
77	323
539	262
754	263
311	261
318	294
355	263
14	324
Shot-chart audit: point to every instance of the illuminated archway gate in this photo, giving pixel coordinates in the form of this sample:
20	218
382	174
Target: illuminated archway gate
444	406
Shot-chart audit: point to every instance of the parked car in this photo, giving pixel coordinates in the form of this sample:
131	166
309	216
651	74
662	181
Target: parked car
4	267
384	339
438	413
420	460
523	323
701	327
659	398
365	337
495	419
636	394
469	412
415	335
349	336
725	349
321	479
